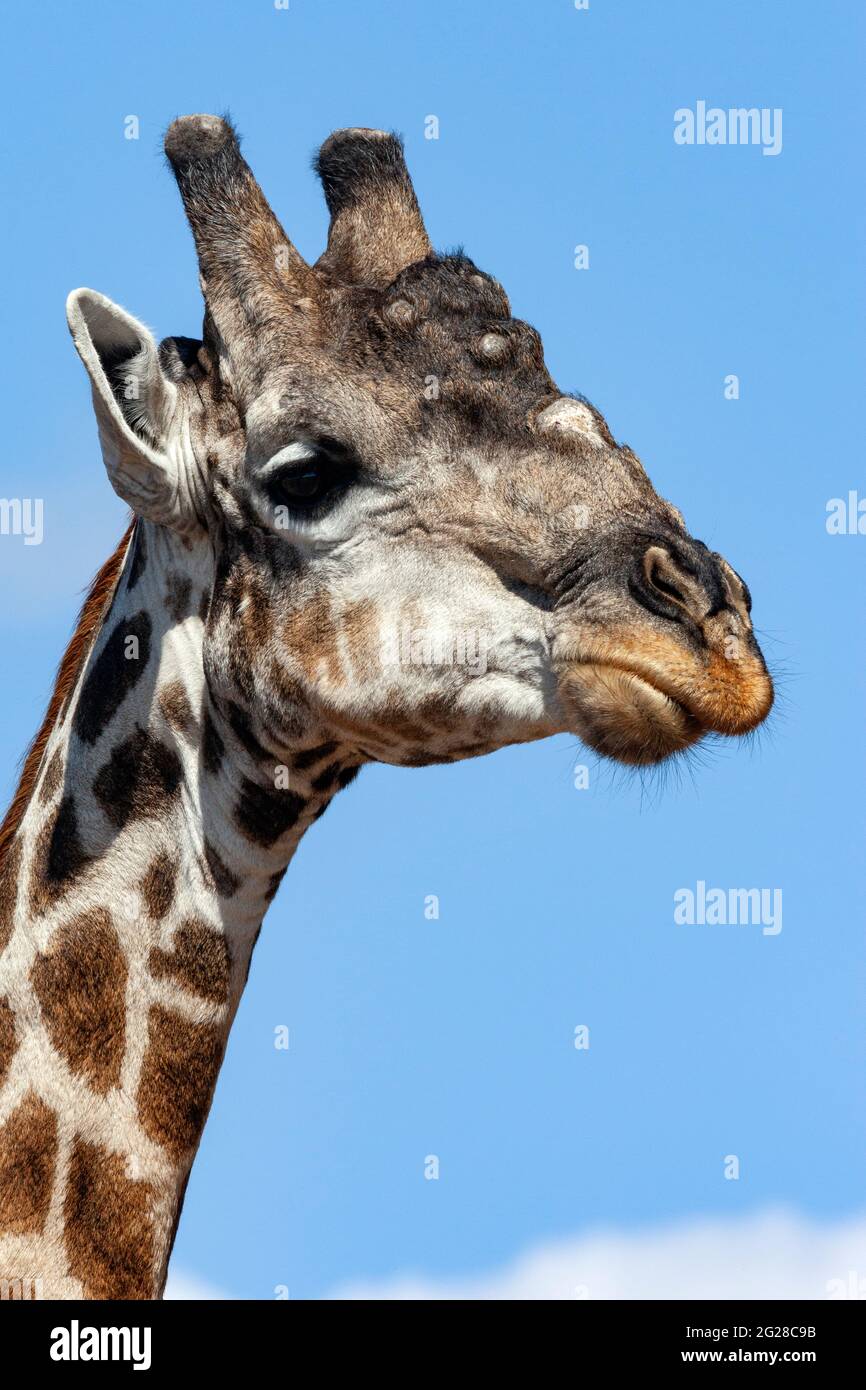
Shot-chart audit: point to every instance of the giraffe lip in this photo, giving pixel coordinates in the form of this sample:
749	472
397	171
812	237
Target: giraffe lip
642	679
625	716
716	701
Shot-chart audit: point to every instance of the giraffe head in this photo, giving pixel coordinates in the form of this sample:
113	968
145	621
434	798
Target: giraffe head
422	550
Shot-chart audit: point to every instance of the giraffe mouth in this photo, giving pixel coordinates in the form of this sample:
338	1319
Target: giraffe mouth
624	716
640	698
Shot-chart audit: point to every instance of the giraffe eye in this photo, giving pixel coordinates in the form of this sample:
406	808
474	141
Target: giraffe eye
309	477
301	487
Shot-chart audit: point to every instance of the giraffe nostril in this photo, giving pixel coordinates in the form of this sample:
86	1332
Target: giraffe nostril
665	584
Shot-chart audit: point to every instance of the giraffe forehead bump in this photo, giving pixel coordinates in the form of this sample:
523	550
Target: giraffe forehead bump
369	380
569	416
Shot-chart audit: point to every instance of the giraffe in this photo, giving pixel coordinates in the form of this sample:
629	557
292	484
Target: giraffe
358	483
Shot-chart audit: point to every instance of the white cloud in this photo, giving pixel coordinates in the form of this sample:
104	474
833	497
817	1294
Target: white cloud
772	1254
182	1285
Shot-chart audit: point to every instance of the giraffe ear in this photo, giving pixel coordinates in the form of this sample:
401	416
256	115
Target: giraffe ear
135	406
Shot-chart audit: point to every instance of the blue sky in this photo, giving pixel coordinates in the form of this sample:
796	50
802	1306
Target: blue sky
454	1037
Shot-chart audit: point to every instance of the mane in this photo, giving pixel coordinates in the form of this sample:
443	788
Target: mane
89	622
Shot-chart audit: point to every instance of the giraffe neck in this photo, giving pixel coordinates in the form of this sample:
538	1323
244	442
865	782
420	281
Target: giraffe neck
131	896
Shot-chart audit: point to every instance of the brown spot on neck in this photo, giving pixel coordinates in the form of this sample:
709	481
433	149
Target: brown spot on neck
51	778
217	874
141	778
9	867
109	1233
7	1038
199	960
178	1074
310	756
59	857
175	706
178	596
139	558
158	886
116	670
81	987
89	622
28	1156
213	748
264	814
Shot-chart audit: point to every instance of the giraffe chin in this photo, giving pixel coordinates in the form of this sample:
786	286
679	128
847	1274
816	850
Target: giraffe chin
623	717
